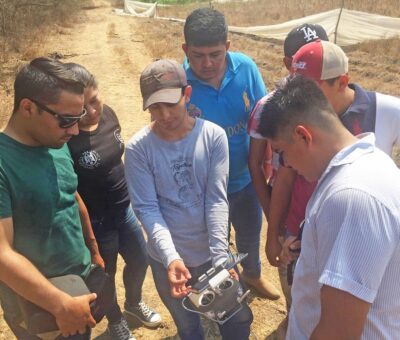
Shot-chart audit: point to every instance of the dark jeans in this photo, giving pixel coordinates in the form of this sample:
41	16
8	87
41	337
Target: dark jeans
245	215
119	232
188	323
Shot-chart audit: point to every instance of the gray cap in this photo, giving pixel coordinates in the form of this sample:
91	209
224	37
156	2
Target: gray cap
162	82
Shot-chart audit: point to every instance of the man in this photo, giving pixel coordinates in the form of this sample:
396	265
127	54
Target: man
292	210
358	109
40	229
176	170
226	86
258	155
346	278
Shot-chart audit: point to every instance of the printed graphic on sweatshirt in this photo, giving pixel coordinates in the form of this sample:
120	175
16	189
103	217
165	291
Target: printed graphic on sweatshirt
89	159
182	172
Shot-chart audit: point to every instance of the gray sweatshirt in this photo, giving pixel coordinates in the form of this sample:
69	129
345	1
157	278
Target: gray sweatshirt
178	192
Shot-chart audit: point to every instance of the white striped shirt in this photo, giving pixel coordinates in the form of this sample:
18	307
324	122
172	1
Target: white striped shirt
351	241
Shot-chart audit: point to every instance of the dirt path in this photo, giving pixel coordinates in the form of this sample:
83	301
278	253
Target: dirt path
112	49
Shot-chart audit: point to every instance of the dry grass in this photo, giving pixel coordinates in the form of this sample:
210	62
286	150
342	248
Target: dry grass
24	23
267	12
25	27
375	64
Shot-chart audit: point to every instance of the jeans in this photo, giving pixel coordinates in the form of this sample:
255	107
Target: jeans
119	232
245	215
13	317
188	323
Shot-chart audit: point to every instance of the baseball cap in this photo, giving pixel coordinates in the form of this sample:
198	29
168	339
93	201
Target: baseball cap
162	82
320	60
301	35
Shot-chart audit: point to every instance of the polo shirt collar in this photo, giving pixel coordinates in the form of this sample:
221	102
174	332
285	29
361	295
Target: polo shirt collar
348	155
361	103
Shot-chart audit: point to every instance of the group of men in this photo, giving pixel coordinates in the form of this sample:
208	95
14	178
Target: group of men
188	178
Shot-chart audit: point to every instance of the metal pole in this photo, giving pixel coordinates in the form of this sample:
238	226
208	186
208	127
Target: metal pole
338	20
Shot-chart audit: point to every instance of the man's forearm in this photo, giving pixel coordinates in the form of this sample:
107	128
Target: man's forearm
256	167
261	188
280	201
87	229
21	275
217	225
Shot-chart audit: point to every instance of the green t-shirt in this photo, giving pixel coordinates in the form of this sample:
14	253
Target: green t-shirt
37	189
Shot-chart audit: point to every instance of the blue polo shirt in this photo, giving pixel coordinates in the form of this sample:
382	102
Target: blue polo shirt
230	107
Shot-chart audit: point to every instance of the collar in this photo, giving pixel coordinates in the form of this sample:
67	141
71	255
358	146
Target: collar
361	103
348	155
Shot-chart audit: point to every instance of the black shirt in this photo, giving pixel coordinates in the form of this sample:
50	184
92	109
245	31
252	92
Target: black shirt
97	162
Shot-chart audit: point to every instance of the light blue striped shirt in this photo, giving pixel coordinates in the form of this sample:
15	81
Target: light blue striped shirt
351	241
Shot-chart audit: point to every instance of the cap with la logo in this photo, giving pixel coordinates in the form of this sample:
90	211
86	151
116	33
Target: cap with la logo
301	35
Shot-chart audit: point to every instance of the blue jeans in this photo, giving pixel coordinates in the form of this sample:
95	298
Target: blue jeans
245	215
119	232
188	323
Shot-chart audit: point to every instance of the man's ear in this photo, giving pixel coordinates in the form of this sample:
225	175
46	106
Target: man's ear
228	44
188	93
303	134
343	82
185	48
27	107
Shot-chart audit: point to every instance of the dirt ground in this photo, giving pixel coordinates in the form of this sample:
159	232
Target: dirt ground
108	45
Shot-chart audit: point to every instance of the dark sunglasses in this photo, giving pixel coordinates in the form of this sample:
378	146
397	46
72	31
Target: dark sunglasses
64	120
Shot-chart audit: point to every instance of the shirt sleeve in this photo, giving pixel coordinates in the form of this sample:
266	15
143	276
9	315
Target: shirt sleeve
142	190
254	121
365	235
216	201
5	199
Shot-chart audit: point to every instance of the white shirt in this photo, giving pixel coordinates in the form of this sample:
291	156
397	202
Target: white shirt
351	241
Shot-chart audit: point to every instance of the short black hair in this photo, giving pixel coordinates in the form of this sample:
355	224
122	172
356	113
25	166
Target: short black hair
43	79
83	75
297	100
205	27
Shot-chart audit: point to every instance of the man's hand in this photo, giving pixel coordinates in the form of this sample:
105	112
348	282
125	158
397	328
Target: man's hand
290	250
234	274
74	314
97	259
273	249
178	276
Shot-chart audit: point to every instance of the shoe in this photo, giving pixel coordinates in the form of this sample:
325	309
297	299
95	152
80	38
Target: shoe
262	286
120	331
144	314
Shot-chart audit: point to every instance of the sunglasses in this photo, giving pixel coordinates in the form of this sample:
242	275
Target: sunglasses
64	120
